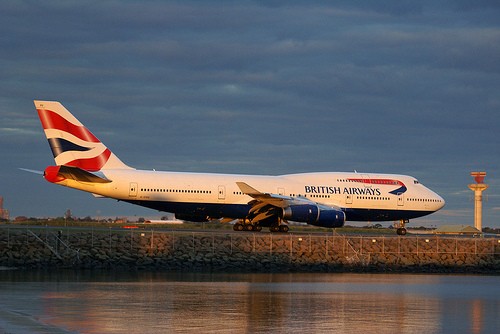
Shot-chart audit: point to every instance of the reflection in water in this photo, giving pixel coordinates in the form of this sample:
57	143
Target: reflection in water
184	303
477	316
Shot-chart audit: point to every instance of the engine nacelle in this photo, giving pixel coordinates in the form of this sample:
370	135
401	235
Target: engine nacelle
314	215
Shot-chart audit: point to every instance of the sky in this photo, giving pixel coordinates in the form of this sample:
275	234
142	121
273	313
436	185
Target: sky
256	87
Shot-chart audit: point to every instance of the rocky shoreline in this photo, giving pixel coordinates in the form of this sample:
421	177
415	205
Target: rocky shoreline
245	252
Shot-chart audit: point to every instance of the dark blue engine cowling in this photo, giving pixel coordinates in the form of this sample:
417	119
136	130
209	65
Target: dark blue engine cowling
312	214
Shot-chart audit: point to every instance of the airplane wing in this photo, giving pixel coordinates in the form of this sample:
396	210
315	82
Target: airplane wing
273	199
266	205
281	201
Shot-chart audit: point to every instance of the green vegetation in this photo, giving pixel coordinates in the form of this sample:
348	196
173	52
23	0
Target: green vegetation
88	222
118	223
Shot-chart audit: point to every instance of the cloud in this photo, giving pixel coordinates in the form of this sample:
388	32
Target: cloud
17	131
259	87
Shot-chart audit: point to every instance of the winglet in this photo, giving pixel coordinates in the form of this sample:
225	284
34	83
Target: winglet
247	190
268	197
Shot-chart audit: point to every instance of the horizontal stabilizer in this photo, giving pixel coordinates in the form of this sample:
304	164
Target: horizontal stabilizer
39	172
59	173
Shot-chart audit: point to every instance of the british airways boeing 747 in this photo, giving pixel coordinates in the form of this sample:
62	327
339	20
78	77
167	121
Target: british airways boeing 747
323	199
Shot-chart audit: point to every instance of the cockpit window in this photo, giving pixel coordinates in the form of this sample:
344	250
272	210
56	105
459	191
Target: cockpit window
416	182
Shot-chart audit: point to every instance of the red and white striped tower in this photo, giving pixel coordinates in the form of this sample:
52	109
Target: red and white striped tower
1	207
478	189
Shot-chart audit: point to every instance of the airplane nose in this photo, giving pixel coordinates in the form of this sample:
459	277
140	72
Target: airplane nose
440	202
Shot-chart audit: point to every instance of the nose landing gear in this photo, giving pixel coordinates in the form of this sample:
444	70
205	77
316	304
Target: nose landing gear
401	230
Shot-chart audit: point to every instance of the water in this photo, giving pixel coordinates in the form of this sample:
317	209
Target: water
90	302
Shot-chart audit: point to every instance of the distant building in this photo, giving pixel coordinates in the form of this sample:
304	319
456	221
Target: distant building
457	230
4	213
121	220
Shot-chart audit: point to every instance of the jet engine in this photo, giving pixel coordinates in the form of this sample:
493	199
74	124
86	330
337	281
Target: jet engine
315	215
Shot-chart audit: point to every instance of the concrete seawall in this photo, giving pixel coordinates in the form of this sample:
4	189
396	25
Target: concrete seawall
227	251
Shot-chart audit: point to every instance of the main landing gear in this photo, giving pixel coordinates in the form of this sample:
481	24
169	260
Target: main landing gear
401	230
247	225
279	228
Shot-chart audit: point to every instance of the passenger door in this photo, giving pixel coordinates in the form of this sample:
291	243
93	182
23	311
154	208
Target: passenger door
132	191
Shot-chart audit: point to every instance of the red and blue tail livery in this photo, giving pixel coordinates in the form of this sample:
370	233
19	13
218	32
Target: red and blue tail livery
72	144
325	199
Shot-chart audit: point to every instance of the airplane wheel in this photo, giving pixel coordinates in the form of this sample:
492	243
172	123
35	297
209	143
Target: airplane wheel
283	228
401	231
274	228
257	228
249	227
238	227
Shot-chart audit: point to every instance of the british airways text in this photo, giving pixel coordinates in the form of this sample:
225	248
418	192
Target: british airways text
339	190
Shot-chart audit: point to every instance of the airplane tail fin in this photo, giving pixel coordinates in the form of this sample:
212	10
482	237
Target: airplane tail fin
72	144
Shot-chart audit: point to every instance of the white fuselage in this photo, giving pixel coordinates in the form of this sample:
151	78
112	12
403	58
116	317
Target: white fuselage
365	197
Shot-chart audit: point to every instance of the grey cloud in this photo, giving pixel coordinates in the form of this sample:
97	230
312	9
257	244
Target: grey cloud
257	87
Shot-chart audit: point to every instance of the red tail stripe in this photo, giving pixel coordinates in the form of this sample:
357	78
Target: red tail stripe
51	120
91	164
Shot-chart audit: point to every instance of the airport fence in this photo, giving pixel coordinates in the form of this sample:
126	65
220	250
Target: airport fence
144	247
